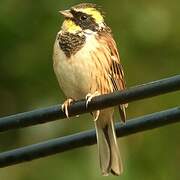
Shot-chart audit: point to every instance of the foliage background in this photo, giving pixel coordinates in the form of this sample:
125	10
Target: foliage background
148	35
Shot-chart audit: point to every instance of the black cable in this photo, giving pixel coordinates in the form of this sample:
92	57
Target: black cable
55	112
86	138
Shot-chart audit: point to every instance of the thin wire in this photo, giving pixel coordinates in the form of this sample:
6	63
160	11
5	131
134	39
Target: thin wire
87	138
55	112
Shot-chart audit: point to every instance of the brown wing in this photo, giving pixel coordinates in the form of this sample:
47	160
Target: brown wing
115	69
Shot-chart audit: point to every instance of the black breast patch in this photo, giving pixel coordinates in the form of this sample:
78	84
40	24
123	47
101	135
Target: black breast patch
71	43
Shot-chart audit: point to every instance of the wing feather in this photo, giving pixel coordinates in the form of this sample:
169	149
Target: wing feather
114	69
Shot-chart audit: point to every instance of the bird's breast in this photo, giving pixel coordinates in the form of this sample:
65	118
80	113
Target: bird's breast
75	72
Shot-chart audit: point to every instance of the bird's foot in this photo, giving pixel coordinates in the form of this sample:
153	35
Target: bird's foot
66	105
89	97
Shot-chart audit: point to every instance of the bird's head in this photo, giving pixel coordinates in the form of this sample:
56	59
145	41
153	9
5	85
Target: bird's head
82	17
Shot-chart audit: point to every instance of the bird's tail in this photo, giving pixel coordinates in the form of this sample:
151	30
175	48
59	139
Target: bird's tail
109	155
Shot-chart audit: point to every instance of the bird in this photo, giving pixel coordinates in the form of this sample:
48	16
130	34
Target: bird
86	63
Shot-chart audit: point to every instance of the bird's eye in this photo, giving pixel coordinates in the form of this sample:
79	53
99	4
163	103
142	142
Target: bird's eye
83	17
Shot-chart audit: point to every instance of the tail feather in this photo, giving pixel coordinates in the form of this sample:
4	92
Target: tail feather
109	155
116	162
103	151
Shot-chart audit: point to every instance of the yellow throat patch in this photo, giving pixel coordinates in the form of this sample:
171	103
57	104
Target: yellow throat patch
70	26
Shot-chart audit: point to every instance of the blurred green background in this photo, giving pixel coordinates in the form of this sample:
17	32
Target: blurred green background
148	36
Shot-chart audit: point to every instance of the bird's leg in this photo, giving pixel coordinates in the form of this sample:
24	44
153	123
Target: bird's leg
66	105
89	97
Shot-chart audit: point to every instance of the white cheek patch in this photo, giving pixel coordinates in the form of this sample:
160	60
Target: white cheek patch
89	32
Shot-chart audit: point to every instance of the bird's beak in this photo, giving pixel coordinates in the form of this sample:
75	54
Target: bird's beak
66	13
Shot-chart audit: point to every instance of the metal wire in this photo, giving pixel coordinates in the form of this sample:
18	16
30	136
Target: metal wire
87	138
55	112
